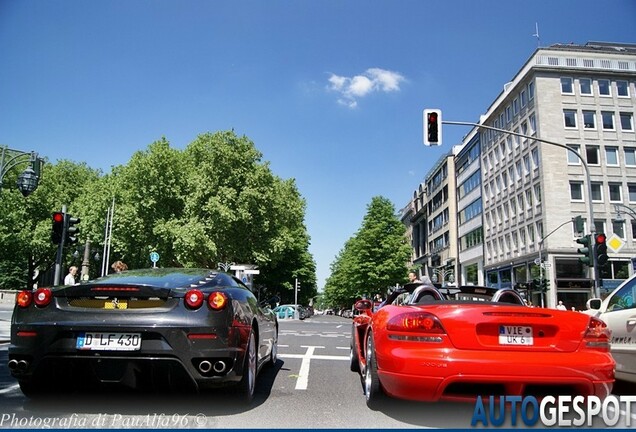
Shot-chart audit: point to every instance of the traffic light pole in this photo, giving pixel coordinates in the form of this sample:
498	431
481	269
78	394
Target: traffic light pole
590	210
60	253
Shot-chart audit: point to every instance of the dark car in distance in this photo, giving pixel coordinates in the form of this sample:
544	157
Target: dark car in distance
159	327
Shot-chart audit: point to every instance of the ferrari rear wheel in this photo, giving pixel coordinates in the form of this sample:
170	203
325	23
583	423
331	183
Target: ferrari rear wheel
372	387
247	384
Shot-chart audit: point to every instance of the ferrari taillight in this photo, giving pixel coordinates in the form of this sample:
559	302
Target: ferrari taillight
217	300
194	299
421	322
42	297
597	335
24	298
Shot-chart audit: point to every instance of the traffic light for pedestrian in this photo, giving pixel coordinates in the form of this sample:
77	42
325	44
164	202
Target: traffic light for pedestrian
432	127
71	230
57	231
587	254
601	249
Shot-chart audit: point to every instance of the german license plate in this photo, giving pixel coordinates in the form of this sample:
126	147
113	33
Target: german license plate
515	335
109	341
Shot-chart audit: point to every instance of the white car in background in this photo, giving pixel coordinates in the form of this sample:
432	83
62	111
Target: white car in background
618	310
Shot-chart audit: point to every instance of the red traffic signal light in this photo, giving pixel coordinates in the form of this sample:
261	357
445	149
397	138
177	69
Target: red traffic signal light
432	127
57	230
601	249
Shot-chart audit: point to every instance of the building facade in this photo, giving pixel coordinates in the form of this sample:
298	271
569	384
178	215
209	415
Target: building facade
515	196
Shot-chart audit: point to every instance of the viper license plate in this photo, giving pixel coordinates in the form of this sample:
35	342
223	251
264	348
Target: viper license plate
515	335
109	341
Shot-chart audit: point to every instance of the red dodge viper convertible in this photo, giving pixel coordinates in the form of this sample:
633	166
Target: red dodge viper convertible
429	344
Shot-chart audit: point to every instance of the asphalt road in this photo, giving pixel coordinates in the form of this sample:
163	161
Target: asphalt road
310	387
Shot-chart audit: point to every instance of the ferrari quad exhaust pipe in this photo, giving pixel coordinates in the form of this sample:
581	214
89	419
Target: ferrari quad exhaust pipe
219	366
205	366
23	365
13	364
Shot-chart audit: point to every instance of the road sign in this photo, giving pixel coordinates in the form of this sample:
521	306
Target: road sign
615	243
154	257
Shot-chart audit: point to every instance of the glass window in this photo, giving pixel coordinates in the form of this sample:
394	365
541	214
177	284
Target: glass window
627	123
615	192
535	157
624	298
508	114
566	85
604	87
585	85
573	159
630	156
515	106
591	154
608	120
530	90
524	100
597	192
611	156
618	228
631	190
622	88
589	119
576	191
537	193
569	117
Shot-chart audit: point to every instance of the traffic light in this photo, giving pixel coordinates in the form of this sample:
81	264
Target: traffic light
432	127
545	285
57	231
71	230
601	249
586	251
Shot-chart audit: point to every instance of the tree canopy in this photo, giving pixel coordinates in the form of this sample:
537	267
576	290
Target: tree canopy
372	260
215	201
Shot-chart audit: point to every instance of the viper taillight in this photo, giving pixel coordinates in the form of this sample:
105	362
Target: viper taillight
194	299
421	322
42	297
24	298
217	300
597	335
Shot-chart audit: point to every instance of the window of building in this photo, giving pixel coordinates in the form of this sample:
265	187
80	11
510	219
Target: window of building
569	118
566	85
633	229
591	155
519	171
537	194
604	87
515	106
597	192
608	120
532	120
585	86
615	192
530	234
618	228
589	119
535	158
529	199
631	191
630	156
622	88
508	114
611	156
627	121
524	99
576	191
573	159
526	165
521	203
599	226
530	90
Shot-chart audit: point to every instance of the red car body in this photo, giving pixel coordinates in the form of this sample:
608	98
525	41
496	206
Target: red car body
477	341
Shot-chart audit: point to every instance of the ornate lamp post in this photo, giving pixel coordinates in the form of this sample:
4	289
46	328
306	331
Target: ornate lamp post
443	274
28	180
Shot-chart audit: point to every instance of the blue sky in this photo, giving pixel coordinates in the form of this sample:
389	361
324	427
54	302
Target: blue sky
330	91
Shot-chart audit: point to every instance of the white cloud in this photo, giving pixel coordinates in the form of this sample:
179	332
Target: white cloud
358	86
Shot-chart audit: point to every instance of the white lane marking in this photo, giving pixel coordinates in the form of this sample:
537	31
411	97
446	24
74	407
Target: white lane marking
343	348
9	389
339	326
303	374
313	357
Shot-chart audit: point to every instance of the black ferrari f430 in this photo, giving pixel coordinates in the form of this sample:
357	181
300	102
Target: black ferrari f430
158	328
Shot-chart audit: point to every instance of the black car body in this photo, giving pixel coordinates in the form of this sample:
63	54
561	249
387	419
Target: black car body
156	327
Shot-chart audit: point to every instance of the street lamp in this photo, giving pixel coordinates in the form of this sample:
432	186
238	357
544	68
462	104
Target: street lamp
444	274
28	180
626	209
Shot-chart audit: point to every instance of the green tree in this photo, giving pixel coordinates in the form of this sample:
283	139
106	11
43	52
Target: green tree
373	259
